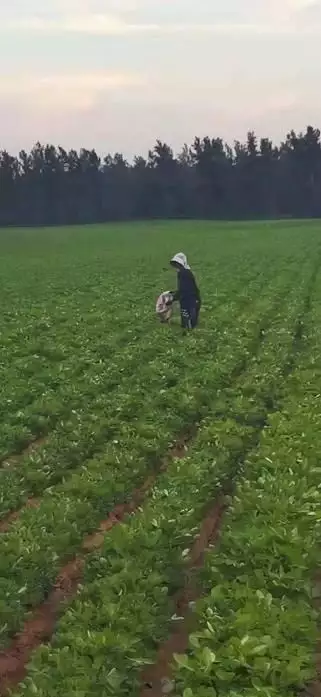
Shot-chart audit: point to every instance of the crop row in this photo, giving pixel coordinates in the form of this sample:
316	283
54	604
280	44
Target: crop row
32	551
57	388
125	606
74	347
257	626
145	409
68	336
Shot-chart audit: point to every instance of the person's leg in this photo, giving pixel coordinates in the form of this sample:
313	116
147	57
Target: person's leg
185	319
198	307
194	316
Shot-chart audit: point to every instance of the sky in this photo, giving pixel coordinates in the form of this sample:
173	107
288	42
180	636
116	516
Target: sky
119	74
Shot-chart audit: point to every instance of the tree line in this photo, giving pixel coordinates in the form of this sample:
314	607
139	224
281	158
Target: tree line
209	179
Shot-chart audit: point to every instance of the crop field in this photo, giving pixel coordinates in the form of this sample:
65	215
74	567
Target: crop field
160	494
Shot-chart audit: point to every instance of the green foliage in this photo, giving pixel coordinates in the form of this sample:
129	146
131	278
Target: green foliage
253	179
89	367
257	622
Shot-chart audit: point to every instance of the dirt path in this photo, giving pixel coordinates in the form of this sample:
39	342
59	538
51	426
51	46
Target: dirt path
314	689
178	451
41	625
12	460
157	678
6	522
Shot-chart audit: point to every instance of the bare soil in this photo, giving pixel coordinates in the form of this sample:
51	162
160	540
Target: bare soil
39	628
6	522
156	676
28	450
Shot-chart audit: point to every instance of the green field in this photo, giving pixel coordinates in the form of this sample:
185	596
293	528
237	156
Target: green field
102	406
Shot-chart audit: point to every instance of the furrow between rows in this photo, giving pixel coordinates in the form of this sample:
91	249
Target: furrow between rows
228	440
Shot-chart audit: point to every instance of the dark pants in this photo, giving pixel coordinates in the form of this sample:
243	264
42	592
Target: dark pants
189	316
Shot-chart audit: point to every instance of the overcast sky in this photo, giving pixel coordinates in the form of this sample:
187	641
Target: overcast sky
117	74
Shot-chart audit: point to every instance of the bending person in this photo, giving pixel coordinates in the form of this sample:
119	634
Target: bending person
187	292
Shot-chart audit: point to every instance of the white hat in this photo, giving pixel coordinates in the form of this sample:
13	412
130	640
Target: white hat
180	259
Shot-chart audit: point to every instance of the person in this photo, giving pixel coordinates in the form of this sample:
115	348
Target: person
187	292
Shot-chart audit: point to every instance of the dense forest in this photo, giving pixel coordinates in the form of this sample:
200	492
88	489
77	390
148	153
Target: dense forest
209	179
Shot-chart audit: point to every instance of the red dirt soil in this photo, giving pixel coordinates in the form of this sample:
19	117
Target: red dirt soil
6	522
12	460
314	689
177	451
41	625
156	675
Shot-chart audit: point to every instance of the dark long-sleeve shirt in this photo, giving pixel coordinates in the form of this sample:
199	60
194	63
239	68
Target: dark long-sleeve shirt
187	291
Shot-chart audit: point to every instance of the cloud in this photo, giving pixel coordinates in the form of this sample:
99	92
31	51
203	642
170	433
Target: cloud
130	17
106	25
81	23
73	91
110	25
156	69
310	15
288	12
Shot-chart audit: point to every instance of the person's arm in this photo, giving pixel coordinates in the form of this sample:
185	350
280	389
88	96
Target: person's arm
177	293
193	288
189	288
170	298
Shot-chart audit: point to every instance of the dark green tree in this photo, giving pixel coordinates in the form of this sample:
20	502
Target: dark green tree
209	179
